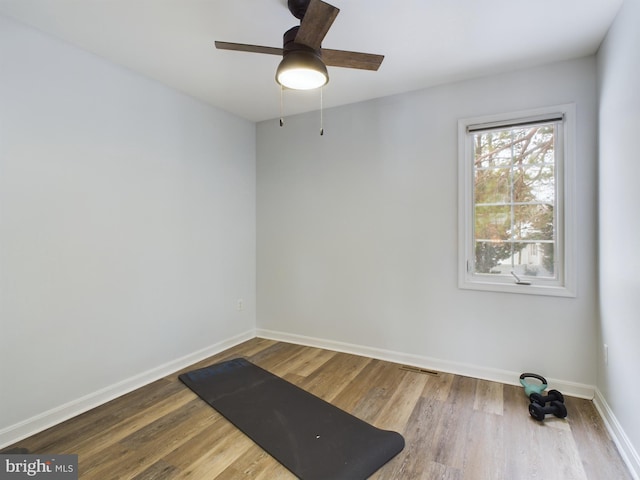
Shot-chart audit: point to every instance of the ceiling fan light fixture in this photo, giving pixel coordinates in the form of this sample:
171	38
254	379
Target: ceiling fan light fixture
302	70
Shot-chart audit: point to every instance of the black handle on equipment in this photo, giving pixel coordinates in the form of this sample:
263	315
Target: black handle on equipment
534	375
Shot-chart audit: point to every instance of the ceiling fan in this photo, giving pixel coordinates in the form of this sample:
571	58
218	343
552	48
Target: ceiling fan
303	65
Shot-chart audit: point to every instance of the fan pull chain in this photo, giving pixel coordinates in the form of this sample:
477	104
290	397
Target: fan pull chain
281	105
321	113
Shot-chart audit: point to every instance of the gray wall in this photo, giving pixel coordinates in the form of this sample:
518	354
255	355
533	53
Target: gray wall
127	229
619	198
357	233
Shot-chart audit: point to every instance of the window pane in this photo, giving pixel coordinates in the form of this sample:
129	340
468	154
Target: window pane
540	150
489	255
533	222
534	184
493	185
492	223
530	260
492	149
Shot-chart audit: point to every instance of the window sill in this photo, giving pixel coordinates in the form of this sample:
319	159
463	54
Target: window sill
544	290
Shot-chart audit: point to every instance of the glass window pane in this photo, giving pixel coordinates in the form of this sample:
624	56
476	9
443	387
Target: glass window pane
531	260
492	149
541	148
534	184
489	255
493	186
540	181
492	223
533	222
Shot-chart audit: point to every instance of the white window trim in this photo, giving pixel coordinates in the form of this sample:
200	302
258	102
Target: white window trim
566	215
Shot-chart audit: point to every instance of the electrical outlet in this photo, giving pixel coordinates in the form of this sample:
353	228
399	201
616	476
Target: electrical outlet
606	354
240	305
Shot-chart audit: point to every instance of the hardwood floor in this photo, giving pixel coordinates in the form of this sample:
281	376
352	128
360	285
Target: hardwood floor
456	428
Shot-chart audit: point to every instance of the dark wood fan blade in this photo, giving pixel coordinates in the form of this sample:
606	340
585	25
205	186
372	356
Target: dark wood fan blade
316	23
342	58
243	47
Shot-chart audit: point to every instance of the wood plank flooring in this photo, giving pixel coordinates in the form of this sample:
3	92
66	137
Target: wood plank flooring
455	428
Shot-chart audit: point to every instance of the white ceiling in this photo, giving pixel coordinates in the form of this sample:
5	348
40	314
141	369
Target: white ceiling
425	42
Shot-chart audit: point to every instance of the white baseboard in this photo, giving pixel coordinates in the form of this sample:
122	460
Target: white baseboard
42	421
468	370
626	449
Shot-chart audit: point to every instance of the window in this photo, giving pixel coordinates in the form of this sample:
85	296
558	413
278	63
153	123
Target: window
516	202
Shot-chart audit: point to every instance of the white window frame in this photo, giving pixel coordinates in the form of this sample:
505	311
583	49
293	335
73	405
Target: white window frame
565	285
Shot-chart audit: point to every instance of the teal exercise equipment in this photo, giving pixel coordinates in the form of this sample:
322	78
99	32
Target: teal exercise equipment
530	388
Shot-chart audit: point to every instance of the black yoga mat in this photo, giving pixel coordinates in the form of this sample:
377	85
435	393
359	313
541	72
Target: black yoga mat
311	437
